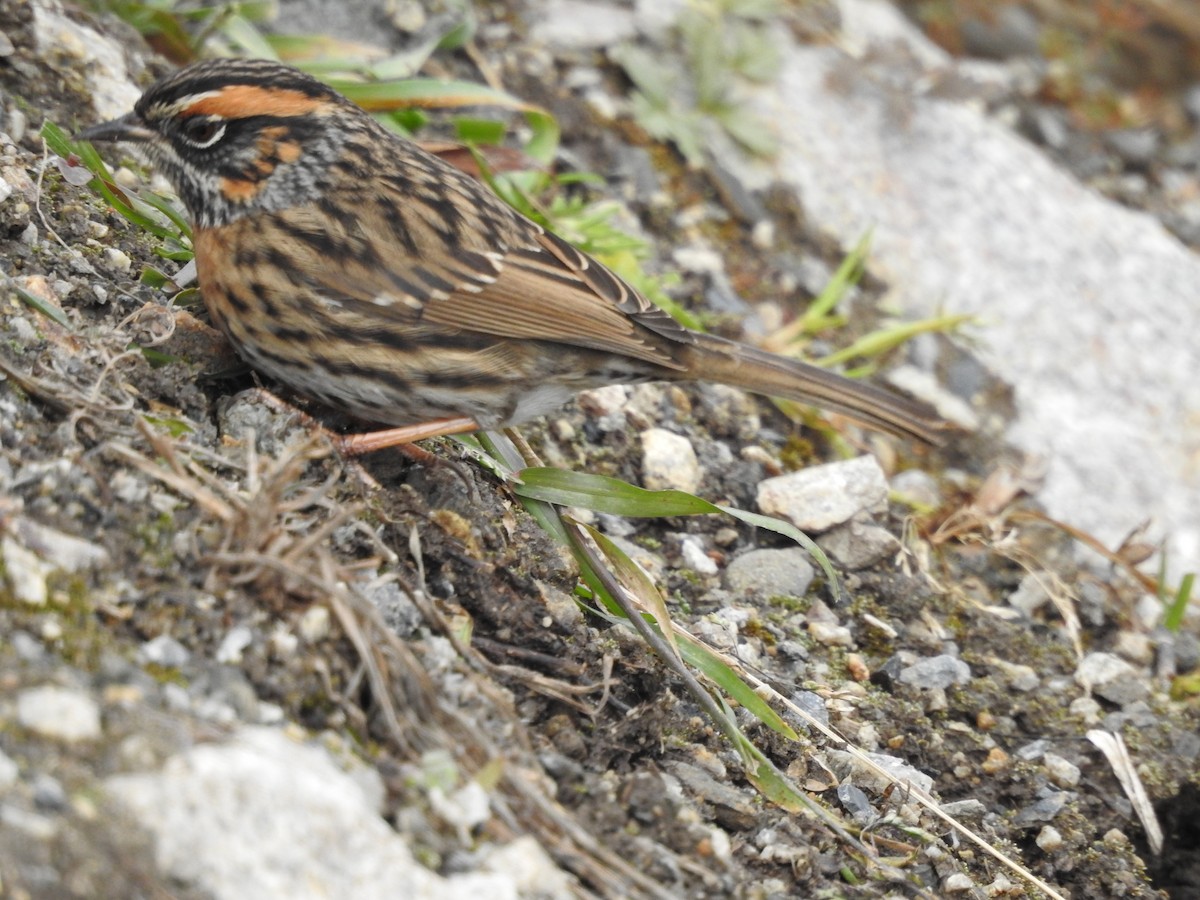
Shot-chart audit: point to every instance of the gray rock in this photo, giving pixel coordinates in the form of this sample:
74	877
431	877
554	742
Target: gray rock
932	672
1137	146
855	802
813	704
48	793
1043	810
919	486
1110	677
164	651
846	765
819	497
770	573
857	544
1002	32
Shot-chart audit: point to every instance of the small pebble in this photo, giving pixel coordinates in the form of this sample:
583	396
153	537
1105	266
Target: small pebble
695	557
237	640
1063	772
9	771
164	651
117	261
958	883
314	624
831	635
997	761
1049	839
26	573
936	672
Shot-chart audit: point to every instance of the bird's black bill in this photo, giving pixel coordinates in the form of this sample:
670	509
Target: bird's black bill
129	127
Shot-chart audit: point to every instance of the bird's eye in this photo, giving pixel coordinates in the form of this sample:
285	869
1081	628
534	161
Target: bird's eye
202	131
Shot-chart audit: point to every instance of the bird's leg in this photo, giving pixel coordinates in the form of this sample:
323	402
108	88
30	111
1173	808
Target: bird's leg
402	438
351	445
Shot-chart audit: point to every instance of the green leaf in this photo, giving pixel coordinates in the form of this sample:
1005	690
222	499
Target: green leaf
173	427
634	579
479	131
1173	618
747	128
882	340
607	495
718	671
656	80
600	493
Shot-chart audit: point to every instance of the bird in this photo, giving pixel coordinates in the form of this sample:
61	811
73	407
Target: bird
356	269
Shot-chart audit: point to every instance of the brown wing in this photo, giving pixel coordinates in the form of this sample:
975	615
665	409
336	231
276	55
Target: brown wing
437	248
555	293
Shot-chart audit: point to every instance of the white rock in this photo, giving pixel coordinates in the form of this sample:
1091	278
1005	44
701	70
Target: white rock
1030	595
116	260
695	557
59	713
819	497
26	573
844	764
236	640
1063	772
831	635
263	816
531	869
66	552
314	625
669	462
968	217
582	25
9	771
1049	838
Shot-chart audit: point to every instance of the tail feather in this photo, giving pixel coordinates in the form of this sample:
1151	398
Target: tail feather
728	362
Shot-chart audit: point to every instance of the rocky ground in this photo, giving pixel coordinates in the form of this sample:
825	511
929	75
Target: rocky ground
235	665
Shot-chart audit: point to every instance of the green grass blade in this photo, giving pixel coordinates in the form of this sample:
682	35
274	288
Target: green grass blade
49	310
1173	617
718	671
634	579
602	494
388	96
608	495
875	344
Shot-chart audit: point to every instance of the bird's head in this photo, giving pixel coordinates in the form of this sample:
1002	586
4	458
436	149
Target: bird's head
237	136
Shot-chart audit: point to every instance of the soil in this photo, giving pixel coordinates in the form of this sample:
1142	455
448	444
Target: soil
209	509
